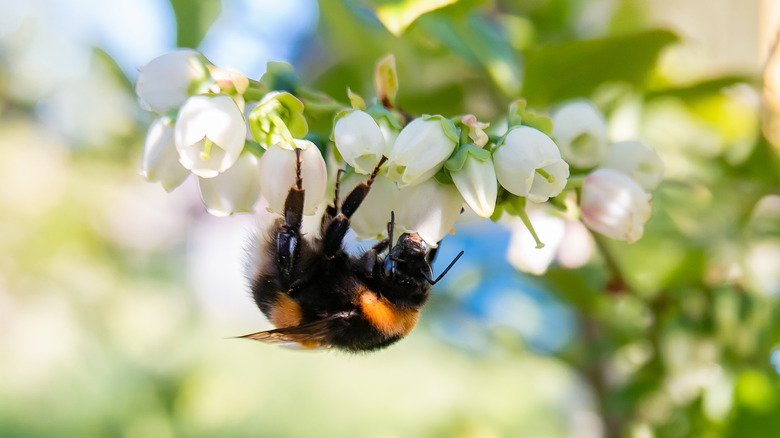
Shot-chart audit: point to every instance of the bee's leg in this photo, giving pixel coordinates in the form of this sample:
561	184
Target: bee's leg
337	227
288	235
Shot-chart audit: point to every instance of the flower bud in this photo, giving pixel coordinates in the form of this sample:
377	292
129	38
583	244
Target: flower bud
160	160
164	82
420	150
209	134
429	208
359	140
235	190
371	218
476	182
636	160
529	164
580	131
277	175
615	205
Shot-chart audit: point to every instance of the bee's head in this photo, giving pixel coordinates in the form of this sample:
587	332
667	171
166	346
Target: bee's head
407	272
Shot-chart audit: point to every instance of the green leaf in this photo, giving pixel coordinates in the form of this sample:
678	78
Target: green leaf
397	15
559	72
280	76
193	19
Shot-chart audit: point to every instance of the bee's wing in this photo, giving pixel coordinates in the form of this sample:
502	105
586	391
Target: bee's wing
309	335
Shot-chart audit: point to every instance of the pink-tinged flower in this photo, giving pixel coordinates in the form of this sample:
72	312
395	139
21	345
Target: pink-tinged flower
277	175
615	205
371	218
529	164
235	190
636	160
164	82
160	160
581	133
429	208
209	134
420	150
359	140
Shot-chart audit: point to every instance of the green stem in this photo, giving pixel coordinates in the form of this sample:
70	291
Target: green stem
574	182
521	202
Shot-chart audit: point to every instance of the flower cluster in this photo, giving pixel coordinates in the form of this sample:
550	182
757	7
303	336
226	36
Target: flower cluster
228	132
239	137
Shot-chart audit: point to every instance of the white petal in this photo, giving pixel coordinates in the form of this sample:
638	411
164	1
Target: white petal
581	133
234	191
371	218
524	150
160	160
419	152
476	182
429	208
359	141
637	160
163	82
205	119
277	175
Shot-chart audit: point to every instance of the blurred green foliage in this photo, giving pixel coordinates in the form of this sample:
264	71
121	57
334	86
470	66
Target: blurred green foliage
674	333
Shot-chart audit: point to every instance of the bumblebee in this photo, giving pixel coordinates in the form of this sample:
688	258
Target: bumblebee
319	296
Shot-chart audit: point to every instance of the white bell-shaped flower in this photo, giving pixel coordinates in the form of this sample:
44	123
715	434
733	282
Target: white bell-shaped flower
615	205
529	164
522	252
277	175
235	190
476	182
636	160
429	208
209	134
164	82
371	218
160	160
580	131
359	140
420	150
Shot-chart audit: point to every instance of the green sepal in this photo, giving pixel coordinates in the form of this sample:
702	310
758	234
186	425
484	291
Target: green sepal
541	122
446	125
281	105
519	114
516	110
355	100
280	76
254	148
458	159
443	176
380	112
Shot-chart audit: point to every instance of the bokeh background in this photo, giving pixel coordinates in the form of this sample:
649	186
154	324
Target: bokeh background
117	300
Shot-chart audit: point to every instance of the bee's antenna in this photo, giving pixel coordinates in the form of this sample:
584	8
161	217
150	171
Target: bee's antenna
452	263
